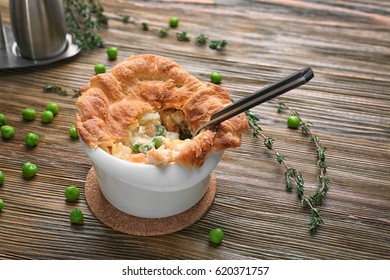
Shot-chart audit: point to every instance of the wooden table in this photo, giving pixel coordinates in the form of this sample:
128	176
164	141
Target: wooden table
346	43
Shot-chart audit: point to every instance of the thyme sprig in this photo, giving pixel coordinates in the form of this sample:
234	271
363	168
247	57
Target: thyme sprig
83	20
53	88
60	90
292	177
319	196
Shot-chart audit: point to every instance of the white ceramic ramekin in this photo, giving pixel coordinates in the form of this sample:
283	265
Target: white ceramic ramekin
149	191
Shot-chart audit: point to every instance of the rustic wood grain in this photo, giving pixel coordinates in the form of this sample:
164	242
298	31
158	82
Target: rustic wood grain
347	44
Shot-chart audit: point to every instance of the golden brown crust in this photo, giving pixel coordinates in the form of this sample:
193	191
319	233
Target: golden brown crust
146	83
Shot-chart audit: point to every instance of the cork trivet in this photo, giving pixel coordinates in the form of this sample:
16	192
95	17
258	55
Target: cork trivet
120	221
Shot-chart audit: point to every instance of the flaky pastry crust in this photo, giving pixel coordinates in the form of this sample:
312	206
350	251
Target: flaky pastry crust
148	83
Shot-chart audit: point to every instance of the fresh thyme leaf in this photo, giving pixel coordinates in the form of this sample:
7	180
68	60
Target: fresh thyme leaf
322	164
145	26
182	36
76	93
306	127
289	184
202	39
163	32
315	220
223	44
280	107
321	153
218	44
268	141
125	19
253	121
54	89
279	158
313	139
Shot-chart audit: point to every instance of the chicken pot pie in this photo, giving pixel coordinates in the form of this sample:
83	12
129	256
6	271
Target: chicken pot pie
146	109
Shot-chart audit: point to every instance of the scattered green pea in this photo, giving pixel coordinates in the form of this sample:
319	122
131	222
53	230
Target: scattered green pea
3	120
47	116
73	131
100	68
76	216
1	177
53	107
112	53
293	121
215	77
216	235
173	22
72	193
1	204
31	139
7	132
28	114
29	170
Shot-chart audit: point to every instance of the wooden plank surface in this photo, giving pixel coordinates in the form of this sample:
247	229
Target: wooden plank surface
348	101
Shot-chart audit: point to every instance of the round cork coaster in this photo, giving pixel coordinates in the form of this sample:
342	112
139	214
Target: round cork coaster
120	221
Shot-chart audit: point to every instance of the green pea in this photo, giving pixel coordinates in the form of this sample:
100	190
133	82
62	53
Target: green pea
76	216
161	130
174	22
1	204
157	142
293	121
112	53
31	139
136	148
72	193
1	177
53	107
73	131
29	170
216	77
47	116
28	114
100	68
3	120
7	132
146	147
216	235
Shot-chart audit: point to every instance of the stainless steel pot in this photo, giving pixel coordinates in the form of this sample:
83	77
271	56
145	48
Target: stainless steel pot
39	27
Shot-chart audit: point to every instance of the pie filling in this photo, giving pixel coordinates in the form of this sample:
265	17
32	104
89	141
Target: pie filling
154	138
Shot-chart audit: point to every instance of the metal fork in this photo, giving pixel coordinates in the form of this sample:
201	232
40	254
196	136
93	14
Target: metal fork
288	83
